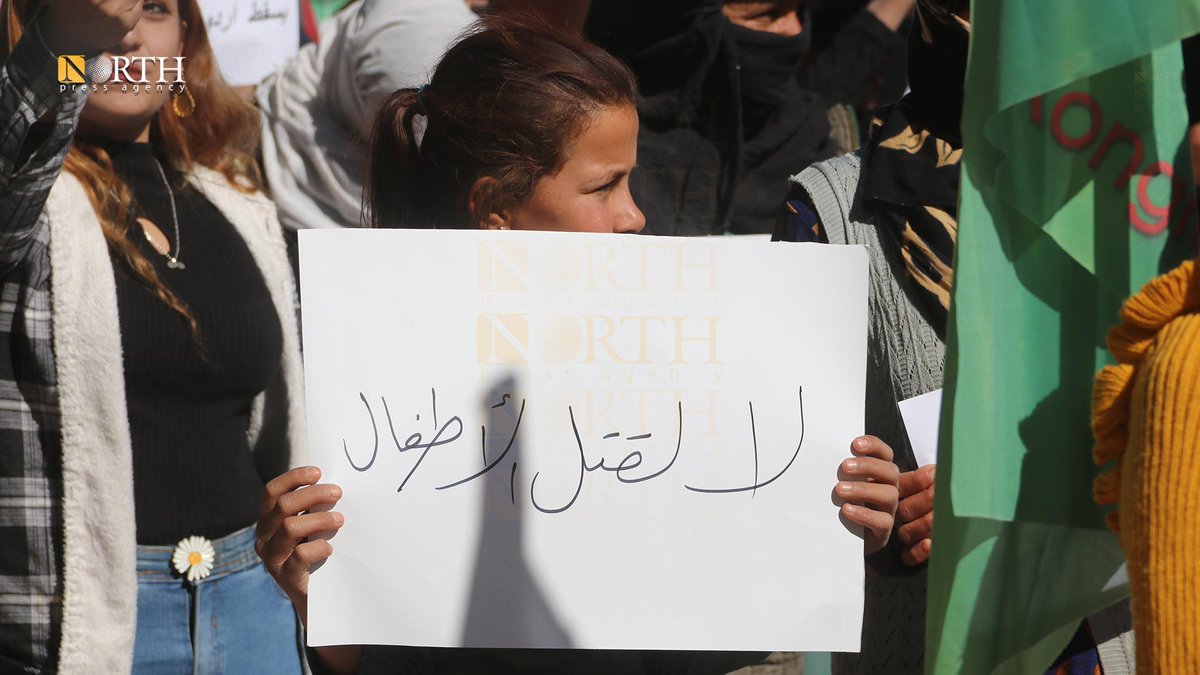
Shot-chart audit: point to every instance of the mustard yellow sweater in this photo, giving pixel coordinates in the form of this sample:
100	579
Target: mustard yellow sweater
1146	417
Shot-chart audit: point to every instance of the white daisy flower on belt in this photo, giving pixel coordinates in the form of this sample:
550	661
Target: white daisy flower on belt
194	557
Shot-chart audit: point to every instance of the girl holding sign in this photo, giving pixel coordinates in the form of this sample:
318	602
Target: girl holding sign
521	128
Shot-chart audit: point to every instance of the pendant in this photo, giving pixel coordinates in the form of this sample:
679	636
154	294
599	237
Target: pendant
175	264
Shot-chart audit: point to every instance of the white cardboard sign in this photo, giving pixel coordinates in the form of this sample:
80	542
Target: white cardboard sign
251	38
593	441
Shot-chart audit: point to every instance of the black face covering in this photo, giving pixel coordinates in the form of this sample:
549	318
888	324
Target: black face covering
937	70
767	69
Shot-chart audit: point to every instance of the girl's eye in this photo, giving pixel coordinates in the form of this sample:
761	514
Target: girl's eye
155	7
609	186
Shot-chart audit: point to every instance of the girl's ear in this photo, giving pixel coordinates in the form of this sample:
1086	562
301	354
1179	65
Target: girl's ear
495	221
484	206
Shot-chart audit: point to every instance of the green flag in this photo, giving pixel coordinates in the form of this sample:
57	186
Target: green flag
1076	189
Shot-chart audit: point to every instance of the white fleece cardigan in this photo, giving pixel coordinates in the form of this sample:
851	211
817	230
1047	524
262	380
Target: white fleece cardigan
99	552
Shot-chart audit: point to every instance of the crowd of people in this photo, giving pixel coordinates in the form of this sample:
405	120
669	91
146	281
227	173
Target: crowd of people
151	385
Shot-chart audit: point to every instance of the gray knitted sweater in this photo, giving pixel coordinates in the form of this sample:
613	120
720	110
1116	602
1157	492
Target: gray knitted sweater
905	359
905	354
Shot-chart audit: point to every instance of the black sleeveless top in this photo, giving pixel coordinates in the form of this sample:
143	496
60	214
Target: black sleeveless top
190	396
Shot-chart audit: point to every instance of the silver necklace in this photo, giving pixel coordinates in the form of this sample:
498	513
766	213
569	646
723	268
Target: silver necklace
173	261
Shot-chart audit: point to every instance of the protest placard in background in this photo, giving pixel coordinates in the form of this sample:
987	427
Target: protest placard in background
922	415
590	441
251	38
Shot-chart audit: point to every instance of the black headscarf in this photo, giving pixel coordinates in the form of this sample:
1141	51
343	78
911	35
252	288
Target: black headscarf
723	119
767	65
913	157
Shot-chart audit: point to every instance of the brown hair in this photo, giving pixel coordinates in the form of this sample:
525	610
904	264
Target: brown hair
221	133
506	102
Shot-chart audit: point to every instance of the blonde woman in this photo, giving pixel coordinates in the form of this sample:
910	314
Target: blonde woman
150	355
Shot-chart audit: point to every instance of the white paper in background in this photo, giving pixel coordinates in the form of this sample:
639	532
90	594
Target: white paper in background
1119	578
533	430
251	38
922	414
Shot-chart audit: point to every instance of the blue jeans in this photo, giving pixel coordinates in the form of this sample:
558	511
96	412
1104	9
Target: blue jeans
236	620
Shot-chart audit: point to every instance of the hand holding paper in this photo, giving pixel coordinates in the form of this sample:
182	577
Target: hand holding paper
869	486
293	539
295	508
916	514
922	416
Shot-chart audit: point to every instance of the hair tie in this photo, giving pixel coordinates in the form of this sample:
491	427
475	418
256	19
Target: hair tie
419	103
420	118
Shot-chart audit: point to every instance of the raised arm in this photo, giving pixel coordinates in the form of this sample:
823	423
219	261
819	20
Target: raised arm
38	116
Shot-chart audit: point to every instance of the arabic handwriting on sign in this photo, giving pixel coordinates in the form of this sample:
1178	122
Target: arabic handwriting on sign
512	483
631	461
220	23
753	487
452	430
261	11
415	441
375	430
495	462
